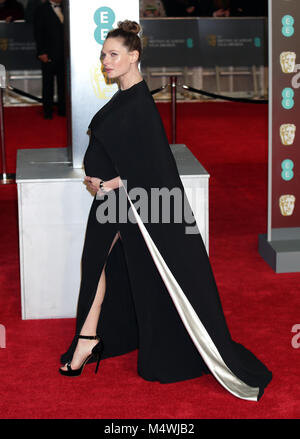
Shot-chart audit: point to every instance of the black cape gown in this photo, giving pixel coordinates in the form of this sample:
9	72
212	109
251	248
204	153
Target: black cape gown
161	297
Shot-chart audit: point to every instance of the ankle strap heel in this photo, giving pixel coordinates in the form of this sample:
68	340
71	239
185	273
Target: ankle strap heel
96	352
89	337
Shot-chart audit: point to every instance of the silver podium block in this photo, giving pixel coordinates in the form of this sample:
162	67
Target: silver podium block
53	205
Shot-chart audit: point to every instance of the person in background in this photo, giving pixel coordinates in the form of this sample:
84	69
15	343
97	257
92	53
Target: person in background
221	8
244	8
204	8
30	9
11	10
180	8
152	8
231	8
49	36
197	8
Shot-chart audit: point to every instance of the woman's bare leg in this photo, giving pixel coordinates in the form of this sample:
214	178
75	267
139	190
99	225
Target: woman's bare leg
84	347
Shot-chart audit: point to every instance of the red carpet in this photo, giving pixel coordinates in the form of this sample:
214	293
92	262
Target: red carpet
261	307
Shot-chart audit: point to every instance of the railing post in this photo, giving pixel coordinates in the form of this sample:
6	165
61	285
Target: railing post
173	102
4	178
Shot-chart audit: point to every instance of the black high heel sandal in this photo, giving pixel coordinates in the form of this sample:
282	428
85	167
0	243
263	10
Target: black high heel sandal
96	352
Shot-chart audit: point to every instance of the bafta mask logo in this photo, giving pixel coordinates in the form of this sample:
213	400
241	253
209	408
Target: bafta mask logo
103	87
287	133
288	61
3	44
287	204
212	40
145	41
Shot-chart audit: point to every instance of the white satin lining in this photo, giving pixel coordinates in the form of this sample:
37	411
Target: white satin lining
195	328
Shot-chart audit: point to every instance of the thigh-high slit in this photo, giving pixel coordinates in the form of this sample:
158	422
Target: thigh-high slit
90	324
102	252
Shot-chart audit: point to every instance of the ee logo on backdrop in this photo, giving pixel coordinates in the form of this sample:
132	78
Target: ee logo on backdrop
287	61
104	18
288	26
287	169
288	98
287	131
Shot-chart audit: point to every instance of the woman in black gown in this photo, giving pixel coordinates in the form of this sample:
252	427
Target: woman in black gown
146	281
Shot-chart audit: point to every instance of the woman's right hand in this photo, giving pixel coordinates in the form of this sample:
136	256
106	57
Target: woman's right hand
93	183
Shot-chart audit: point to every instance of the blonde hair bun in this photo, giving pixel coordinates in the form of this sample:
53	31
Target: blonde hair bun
129	26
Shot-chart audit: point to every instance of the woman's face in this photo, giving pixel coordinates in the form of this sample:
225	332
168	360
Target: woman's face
116	59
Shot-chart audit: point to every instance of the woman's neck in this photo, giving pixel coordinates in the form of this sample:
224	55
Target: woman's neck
129	81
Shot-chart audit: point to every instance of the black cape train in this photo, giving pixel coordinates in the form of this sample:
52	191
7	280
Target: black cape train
161	297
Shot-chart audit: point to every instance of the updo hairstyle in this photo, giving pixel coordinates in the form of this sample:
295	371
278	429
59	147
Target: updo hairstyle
128	31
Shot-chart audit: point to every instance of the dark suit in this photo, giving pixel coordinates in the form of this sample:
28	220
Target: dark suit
249	9
12	8
49	36
178	8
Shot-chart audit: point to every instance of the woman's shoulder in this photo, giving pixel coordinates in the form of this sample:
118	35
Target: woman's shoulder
139	90
125	104
137	98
